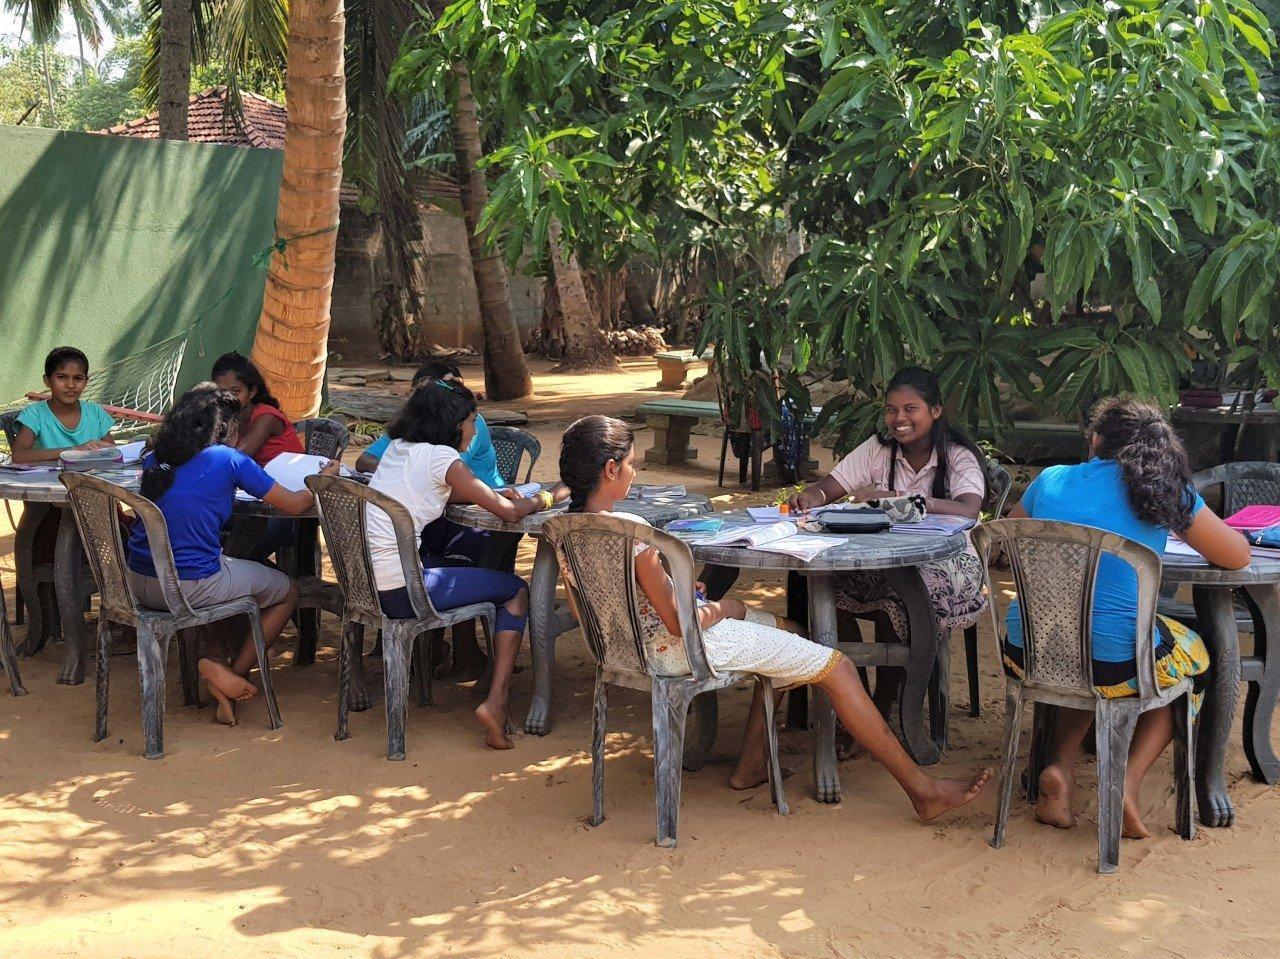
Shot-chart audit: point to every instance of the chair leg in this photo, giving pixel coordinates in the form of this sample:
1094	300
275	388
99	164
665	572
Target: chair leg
706	718
188	663
152	653
669	711
424	661
396	649
1114	734
344	678
1184	766
771	740
102	679
1009	763
1041	748
9	653
264	668
724	454
599	710
757	453
940	693
971	661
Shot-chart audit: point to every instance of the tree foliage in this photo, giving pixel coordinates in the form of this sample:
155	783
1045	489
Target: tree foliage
938	157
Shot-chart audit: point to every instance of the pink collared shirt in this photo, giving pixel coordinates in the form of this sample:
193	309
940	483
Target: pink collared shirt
868	465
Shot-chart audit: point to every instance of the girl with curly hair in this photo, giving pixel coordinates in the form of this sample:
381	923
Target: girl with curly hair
1137	484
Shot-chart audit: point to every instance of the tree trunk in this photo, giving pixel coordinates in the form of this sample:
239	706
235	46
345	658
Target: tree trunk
48	82
174	87
641	309
84	64
506	373
585	346
291	344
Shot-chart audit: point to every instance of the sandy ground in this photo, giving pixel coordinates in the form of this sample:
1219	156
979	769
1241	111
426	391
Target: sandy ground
252	842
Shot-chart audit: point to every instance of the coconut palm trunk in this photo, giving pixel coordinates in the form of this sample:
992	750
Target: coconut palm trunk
506	374
585	345
291	345
174	87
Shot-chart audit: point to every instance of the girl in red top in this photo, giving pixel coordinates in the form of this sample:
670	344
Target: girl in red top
265	432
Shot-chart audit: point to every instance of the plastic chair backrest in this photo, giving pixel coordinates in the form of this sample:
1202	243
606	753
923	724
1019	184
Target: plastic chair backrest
1243	484
343	505
323	437
1055	568
597	561
94	501
999	482
509	445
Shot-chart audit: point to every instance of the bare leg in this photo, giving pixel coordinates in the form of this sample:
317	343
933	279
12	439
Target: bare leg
274	619
493	712
1151	737
930	797
1057	780
751	769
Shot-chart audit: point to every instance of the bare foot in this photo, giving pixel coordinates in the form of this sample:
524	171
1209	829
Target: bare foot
226	713
846	746
749	775
1134	827
220	677
947	794
494	720
1053	808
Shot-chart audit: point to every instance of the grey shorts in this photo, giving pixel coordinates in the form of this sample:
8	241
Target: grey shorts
237	579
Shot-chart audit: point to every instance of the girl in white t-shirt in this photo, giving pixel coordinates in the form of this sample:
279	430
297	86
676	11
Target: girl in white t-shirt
422	469
597	464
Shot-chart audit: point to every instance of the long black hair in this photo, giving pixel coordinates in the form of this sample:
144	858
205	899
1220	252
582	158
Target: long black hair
242	368
203	416
61	356
1153	461
434	413
944	433
587	445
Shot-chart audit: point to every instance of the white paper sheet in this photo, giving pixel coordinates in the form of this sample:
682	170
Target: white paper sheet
290	470
132	452
764	514
754	536
803	547
528	489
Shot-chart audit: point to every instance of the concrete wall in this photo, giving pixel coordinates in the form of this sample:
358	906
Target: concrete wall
450	306
113	244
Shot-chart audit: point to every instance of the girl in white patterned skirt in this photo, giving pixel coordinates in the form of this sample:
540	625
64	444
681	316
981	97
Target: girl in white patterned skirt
597	463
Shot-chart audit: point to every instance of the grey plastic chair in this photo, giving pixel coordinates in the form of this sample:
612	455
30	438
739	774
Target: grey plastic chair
30	576
1055	566
1243	484
597	560
510	445
323	437
94	502
342	504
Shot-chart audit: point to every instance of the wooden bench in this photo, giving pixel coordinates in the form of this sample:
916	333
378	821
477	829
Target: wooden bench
674	365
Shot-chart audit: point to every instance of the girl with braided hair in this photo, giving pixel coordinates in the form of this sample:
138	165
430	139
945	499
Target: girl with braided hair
1137	484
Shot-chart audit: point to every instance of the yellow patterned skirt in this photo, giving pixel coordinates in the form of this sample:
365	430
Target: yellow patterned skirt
1180	654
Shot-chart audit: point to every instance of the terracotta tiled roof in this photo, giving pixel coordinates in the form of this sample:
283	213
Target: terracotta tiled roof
209	121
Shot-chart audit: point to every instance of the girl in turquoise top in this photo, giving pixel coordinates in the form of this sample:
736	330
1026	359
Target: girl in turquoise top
64	421
1137	483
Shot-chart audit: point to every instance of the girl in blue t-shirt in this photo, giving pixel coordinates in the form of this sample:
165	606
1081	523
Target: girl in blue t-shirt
192	474
64	421
1137	484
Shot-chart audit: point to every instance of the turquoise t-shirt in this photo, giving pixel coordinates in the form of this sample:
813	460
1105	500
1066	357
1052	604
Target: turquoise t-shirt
1094	494
95	423
480	457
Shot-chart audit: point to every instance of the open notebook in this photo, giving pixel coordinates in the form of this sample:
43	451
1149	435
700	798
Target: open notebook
783	537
